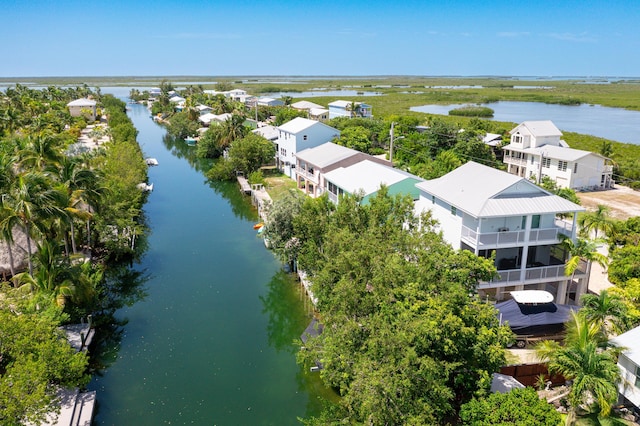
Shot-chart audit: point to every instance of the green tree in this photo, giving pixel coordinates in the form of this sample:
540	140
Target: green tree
606	310
518	407
358	138
625	264
278	228
250	152
597	220
35	359
586	359
581	250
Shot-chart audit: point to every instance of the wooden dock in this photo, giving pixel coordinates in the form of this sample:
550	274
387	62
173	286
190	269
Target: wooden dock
244	184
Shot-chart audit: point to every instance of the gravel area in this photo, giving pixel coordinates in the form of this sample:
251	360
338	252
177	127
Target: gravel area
623	201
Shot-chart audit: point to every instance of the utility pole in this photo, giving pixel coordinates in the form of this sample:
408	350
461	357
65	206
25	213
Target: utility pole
391	144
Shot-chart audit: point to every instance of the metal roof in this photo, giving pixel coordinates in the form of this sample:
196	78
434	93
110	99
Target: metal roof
555	152
326	154
299	124
631	342
483	191
305	105
82	102
365	176
539	128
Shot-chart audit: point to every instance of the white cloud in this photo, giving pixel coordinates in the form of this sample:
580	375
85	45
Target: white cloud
578	38
514	34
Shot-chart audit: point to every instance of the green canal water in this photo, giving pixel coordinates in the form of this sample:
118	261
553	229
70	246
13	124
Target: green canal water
211	339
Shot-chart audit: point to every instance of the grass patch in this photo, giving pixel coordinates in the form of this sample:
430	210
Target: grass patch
278	184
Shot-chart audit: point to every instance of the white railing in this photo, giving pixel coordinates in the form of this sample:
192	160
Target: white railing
532	275
515	160
333	197
510	238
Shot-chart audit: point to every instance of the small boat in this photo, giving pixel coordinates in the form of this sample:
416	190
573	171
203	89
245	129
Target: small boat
190	141
144	187
258	225
151	162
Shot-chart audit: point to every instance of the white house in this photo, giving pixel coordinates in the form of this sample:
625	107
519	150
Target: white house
349	109
314	111
83	107
297	135
313	163
487	211
366	177
536	151
264	101
629	365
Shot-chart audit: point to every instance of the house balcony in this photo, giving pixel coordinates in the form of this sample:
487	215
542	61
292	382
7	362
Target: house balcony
533	275
311	177
506	238
515	160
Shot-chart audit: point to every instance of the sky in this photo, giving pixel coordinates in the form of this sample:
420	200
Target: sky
546	38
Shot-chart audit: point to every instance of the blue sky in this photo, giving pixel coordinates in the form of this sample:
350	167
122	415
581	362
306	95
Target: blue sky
288	37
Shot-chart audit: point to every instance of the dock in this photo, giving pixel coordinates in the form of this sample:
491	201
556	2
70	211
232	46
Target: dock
260	198
76	409
244	184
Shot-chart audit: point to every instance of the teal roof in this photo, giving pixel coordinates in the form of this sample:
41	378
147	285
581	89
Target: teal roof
404	187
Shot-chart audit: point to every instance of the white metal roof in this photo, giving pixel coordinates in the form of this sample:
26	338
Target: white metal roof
555	152
539	128
299	124
326	154
631	341
317	111
268	132
82	102
483	191
365	175
305	105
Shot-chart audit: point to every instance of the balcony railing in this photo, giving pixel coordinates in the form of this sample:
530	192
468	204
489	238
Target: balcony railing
533	275
503	238
308	176
515	160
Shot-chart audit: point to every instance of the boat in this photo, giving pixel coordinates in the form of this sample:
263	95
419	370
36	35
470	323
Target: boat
190	141
151	162
144	187
258	225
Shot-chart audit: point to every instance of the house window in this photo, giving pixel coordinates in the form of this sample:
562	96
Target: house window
532	159
311	171
637	376
453	210
304	137
562	166
517	139
535	221
575	168
546	162
283	152
433	199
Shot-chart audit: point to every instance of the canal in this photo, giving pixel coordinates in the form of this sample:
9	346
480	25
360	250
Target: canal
211	340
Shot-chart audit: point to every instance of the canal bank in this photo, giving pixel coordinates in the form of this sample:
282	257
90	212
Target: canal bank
212	339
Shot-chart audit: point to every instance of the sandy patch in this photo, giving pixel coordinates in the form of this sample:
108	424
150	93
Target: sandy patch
623	201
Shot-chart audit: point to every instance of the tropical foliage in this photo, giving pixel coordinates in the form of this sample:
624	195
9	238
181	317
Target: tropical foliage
404	339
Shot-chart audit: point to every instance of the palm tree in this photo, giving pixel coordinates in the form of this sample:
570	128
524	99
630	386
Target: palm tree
586	360
32	199
581	249
595	221
607	310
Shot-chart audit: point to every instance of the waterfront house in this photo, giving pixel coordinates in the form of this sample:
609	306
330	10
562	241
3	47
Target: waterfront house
297	135
83	107
264	101
488	211
366	177
536	151
313	163
629	365
314	111
349	109
208	118
268	132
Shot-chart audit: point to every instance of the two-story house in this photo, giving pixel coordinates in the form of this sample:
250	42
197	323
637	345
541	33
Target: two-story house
490	212
312	164
314	111
629	365
297	135
536	151
366	177
349	109
83	107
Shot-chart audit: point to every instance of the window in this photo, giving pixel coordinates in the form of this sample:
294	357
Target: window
535	221
562	166
575	168
283	152
546	162
637	376
433	199
517	139
532	159
453	210
304	137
